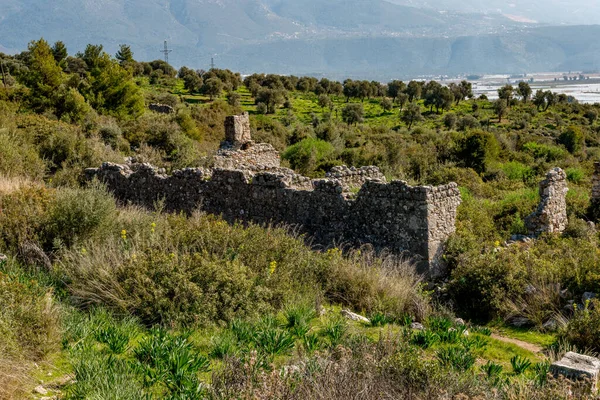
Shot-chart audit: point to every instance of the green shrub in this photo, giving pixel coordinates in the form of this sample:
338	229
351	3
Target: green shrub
573	139
478	150
518	172
583	329
519	364
23	215
75	215
456	357
335	329
575	175
19	158
547	152
306	155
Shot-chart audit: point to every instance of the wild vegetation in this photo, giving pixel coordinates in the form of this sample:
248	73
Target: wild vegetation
101	300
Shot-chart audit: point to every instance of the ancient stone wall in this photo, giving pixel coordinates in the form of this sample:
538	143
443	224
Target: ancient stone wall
596	184
551	214
353	178
253	156
396	216
161	108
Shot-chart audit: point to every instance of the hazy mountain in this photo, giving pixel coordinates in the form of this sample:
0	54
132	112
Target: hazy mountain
548	11
371	38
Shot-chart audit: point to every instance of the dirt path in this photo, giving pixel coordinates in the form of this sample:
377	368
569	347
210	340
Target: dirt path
524	345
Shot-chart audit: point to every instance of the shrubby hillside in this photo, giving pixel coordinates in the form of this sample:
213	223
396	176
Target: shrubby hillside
106	300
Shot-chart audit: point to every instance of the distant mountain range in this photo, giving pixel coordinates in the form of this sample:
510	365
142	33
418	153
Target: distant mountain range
362	38
571	12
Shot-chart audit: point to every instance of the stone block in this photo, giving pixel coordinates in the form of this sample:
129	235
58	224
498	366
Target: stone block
577	367
237	129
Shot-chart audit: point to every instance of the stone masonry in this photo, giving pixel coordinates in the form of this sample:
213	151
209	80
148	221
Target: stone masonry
161	108
404	219
237	130
244	186
551	214
596	184
238	151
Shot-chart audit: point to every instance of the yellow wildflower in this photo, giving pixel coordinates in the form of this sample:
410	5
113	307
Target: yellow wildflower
152	227
124	234
272	267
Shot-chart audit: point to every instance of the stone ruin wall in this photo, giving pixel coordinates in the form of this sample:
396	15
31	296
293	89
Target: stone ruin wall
352	205
161	108
596	185
353	178
551	214
395	216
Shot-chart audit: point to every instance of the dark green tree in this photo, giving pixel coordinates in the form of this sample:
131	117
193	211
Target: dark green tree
394	88
192	82
351	89
411	114
353	114
505	93
92	55
524	91
59	51
43	77
325	101
413	90
478	150
112	90
272	98
387	104
124	55
500	109
212	87
573	139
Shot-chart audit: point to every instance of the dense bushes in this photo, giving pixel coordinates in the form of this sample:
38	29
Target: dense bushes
583	330
208	271
493	283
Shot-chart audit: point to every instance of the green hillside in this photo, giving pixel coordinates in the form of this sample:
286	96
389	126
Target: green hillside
102	300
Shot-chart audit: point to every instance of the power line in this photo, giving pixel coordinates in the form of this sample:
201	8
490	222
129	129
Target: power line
166	52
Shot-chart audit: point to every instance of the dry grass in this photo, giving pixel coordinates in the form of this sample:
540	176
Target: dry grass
14	378
12	184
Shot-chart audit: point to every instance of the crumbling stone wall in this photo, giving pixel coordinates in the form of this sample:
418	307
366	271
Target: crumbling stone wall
161	108
352	178
551	214
238	151
404	219
253	156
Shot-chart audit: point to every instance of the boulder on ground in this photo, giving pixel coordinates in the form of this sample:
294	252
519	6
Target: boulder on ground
576	367
355	317
417	326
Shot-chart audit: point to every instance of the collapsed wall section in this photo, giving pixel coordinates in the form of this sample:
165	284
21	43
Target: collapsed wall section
404	219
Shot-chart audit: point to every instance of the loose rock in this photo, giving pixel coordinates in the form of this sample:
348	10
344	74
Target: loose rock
418	326
40	390
355	317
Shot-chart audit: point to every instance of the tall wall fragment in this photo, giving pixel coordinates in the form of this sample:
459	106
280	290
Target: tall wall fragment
551	214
